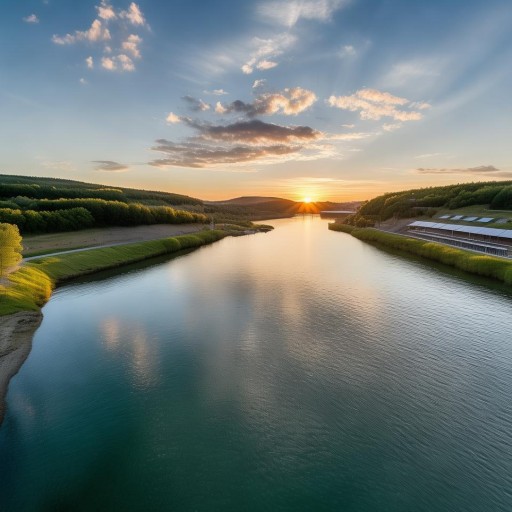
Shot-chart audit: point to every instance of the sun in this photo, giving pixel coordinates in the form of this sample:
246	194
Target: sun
307	200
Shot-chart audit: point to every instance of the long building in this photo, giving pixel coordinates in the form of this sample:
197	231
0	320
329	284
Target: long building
493	241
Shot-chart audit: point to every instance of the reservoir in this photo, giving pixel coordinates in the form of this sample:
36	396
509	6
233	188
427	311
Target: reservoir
296	370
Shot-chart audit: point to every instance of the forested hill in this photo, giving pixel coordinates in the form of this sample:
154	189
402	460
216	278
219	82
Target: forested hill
43	205
495	195
57	188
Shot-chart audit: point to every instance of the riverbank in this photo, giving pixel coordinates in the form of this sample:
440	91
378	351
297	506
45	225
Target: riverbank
16	333
30	287
482	265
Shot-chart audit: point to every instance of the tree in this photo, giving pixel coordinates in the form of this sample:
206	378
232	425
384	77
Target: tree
10	247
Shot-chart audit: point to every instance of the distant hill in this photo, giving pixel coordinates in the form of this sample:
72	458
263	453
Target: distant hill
250	200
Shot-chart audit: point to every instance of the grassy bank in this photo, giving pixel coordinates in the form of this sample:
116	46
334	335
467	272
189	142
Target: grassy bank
31	286
482	265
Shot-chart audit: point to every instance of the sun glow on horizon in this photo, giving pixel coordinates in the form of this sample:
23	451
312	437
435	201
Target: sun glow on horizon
307	200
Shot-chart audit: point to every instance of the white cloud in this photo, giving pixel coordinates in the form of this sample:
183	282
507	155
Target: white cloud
412	71
265	49
108	63
106	11
173	118
348	125
97	32
219	108
266	64
83	81
347	51
133	14
132	45
259	83
216	92
125	62
391	127
289	12
121	51
374	105
427	155
32	18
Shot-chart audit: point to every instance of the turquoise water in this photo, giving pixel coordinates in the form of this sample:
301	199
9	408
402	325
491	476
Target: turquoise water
290	371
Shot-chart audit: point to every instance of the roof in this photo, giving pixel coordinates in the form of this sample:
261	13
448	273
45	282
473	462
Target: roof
474	230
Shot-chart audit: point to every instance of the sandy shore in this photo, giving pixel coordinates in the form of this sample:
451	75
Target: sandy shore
104	236
16	333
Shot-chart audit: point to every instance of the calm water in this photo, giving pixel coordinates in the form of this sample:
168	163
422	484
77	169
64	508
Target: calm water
295	370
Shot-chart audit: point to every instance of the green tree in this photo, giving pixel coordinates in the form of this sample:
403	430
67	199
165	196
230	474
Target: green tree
10	247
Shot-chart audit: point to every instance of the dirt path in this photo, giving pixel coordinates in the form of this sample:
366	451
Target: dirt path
102	237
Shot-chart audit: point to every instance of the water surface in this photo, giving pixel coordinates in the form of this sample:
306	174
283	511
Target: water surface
296	370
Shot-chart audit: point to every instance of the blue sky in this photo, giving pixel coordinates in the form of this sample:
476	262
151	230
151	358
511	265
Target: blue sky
333	99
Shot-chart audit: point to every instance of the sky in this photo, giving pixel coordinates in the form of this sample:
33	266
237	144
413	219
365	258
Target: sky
329	99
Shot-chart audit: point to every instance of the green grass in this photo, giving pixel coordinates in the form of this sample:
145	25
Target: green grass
343	228
482	265
28	289
31	286
51	251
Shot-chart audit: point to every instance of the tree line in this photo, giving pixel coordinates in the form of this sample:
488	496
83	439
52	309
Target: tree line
72	214
410	203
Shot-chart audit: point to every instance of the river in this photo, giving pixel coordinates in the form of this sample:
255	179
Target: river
296	370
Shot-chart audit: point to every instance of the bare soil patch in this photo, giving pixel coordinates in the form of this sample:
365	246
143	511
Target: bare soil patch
104	236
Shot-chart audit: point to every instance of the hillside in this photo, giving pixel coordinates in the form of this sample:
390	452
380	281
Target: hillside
493	195
57	188
48	205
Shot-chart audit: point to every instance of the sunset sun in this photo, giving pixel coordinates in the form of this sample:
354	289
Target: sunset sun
307	200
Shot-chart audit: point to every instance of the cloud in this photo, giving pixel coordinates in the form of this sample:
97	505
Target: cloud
289	12
245	141
254	132
264	49
109	165
427	155
123	49
373	104
190	154
83	81
97	32
347	51
216	92
106	11
266	64
259	83
290	101
134	15
108	63
482	170
391	127
131	45
173	118
32	18
196	105
412	71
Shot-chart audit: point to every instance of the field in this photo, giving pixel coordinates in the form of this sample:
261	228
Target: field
53	242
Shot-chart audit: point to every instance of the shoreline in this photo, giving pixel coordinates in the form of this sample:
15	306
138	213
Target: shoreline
16	333
32	285
471	262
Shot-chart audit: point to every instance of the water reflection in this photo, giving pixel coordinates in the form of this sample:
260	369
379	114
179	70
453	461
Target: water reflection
131	343
296	370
